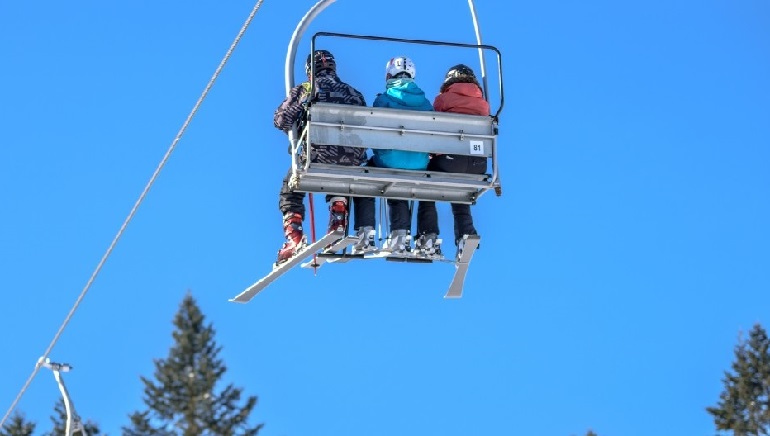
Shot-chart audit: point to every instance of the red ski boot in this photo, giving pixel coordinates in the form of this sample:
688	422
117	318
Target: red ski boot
338	218
295	240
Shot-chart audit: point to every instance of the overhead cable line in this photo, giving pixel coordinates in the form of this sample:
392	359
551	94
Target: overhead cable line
132	212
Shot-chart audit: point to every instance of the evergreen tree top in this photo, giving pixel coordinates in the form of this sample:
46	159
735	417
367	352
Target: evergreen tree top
183	398
17	425
743	405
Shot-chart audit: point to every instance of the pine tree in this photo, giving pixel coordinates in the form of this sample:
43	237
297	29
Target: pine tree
744	405
182	400
59	420
18	426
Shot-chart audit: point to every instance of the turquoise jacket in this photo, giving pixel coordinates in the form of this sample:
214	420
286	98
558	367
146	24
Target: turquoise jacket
402	93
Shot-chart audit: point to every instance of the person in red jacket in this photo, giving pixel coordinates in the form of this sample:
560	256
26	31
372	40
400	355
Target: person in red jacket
460	93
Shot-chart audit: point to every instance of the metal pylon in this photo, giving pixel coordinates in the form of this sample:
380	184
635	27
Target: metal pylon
74	424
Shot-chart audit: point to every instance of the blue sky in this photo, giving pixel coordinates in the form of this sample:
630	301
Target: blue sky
628	250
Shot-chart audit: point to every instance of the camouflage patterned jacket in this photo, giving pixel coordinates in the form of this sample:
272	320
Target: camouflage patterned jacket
329	89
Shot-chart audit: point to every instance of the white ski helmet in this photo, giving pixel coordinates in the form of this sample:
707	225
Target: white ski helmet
399	65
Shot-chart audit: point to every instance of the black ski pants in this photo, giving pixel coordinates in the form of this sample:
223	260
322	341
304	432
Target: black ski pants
427	216
294	202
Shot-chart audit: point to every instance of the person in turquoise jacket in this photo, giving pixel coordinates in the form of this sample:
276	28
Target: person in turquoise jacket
401	92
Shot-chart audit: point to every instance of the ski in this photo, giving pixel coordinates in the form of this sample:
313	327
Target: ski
463	260
330	254
278	271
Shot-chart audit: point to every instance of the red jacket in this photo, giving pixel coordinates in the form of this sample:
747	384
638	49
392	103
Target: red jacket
462	98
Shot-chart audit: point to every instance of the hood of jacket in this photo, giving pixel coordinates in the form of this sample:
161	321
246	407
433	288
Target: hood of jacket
403	93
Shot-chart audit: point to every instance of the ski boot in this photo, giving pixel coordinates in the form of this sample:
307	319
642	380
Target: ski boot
365	242
461	245
295	239
428	245
338	214
399	242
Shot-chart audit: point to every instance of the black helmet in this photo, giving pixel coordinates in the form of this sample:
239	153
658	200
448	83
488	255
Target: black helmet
324	60
459	70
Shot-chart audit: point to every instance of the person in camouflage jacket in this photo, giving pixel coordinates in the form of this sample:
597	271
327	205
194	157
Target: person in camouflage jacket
329	88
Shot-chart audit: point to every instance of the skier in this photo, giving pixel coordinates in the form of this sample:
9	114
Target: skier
460	93
329	88
401	92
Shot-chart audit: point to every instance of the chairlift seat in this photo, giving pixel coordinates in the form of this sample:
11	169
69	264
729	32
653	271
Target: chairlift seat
387	128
